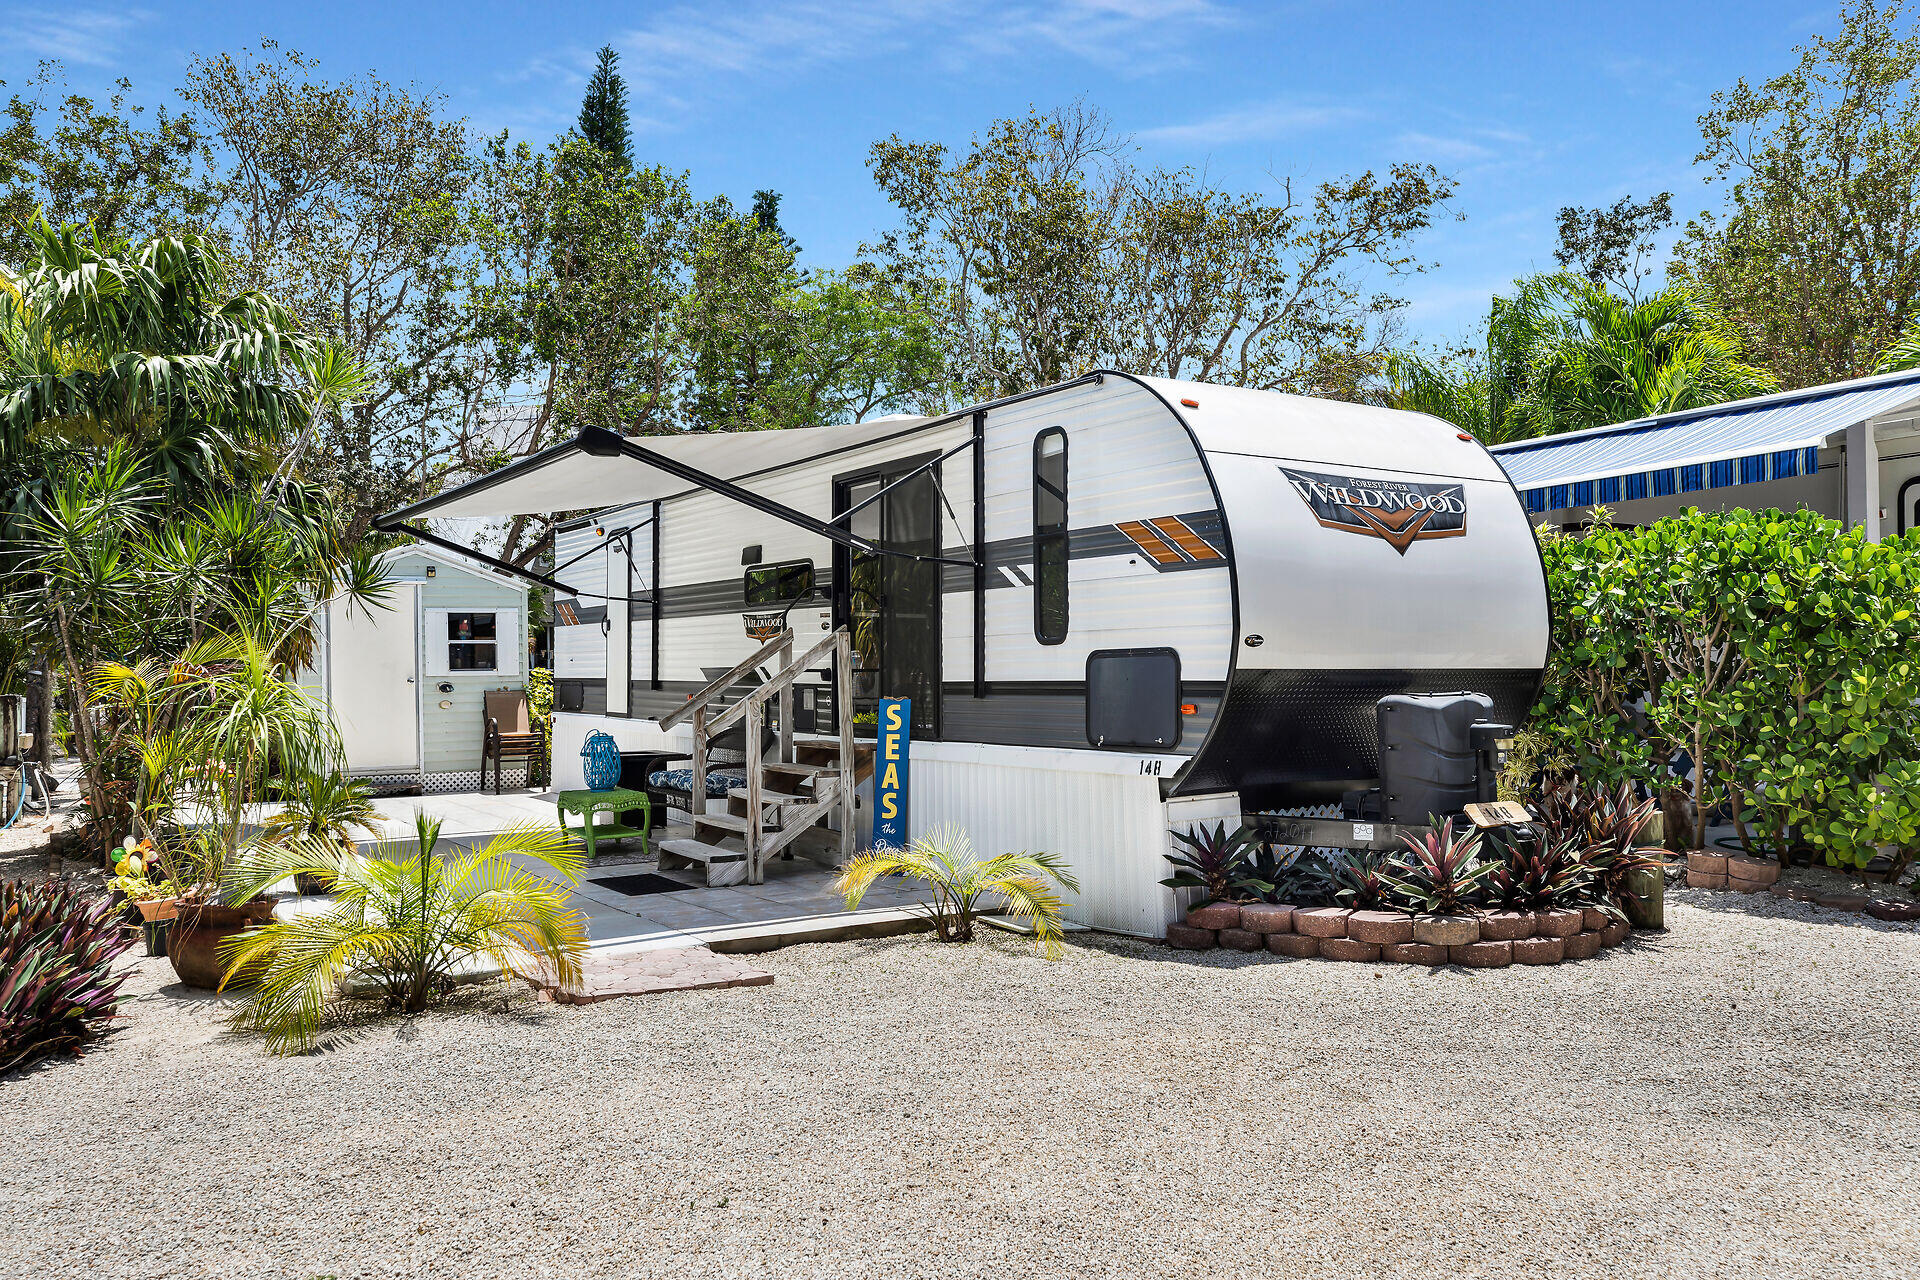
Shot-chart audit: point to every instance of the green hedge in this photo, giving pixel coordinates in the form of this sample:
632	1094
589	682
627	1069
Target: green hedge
1783	651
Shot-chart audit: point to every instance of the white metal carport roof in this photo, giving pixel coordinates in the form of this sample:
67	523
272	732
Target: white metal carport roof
1765	438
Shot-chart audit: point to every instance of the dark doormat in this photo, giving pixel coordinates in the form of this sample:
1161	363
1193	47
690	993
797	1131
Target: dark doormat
639	885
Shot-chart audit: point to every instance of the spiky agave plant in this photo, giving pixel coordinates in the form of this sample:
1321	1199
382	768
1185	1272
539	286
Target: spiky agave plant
1440	873
403	923
57	987
959	879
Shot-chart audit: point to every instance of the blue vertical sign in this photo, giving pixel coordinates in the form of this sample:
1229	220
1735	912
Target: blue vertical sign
890	773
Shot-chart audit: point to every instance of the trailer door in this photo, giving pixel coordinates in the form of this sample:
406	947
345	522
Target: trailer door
892	605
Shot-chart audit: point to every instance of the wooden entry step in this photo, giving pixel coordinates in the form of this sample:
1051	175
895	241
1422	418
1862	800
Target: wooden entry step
723	866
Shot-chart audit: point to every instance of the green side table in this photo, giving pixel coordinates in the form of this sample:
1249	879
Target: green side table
615	800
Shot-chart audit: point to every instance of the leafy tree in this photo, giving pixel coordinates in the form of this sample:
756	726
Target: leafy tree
603	114
1610	247
1777	654
346	201
1054	255
1816	259
97	164
575	313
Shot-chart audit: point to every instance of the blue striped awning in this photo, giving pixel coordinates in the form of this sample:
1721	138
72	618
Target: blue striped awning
1768	438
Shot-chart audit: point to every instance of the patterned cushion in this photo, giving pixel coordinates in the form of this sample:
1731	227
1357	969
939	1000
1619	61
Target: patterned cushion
718	784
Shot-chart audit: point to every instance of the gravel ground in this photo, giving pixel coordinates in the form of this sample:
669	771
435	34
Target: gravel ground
1735	1097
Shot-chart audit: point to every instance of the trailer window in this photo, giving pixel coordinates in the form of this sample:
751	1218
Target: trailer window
1050	536
779	583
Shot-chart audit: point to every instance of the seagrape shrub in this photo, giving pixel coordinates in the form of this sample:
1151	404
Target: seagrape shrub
1779	651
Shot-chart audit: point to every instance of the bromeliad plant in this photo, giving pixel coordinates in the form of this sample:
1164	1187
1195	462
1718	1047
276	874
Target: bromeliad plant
1217	863
57	986
1440	873
1359	879
404	923
944	859
1539	876
1602	826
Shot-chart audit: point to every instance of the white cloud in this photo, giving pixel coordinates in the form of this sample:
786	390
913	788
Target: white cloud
87	37
1261	122
690	52
1426	146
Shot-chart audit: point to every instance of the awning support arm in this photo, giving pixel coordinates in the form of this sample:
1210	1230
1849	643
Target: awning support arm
428	536
615	536
599	442
969	443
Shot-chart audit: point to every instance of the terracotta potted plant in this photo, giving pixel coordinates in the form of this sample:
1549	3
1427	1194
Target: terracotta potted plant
202	921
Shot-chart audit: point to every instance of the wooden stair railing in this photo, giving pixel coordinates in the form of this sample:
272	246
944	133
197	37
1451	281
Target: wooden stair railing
830	790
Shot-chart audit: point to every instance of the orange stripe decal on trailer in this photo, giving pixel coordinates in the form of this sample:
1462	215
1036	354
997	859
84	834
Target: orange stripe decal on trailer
1156	547
1177	532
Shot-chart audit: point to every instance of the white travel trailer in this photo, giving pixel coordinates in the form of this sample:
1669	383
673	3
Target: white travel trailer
1118	604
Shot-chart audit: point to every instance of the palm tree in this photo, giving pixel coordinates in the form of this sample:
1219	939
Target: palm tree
1563	354
405	923
945	860
132	381
1903	354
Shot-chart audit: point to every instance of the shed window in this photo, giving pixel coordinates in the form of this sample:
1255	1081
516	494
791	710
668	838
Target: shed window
778	583
472	640
1050	536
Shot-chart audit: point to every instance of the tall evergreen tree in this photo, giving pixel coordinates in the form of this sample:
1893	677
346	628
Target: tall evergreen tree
603	115
766	217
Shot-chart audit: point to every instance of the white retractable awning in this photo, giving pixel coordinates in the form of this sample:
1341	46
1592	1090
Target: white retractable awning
1767	438
565	478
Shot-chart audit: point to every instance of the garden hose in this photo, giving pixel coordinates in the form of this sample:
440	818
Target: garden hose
20	803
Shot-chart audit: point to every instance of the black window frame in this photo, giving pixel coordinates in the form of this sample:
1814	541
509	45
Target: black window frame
1044	536
779	571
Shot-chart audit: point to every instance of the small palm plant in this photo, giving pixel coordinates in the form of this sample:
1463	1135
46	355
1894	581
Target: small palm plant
403	923
959	879
322	806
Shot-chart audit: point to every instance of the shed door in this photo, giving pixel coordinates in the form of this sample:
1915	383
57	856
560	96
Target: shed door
373	681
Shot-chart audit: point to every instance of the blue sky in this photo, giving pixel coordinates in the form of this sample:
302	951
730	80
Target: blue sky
1531	106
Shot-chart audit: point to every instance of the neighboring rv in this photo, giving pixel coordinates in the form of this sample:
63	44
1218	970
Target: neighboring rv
405	683
1117	604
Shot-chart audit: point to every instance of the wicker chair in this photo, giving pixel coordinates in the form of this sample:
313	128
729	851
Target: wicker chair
509	734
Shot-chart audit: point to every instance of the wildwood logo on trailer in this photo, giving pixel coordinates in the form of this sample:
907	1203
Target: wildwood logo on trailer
1398	512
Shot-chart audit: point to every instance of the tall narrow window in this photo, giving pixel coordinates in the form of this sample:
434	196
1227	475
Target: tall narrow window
1050	536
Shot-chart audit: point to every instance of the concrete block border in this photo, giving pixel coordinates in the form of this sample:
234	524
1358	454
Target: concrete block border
1485	940
1756	875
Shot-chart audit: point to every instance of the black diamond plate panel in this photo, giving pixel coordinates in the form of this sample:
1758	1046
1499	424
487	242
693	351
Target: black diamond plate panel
1298	737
